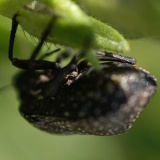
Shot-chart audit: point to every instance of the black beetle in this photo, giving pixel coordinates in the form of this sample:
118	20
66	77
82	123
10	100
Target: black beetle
105	102
78	99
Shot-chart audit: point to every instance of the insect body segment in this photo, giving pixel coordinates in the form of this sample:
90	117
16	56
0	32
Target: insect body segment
99	103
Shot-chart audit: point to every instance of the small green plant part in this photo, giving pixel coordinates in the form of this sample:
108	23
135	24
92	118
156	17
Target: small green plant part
72	27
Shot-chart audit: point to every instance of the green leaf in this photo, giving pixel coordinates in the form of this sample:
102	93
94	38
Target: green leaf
108	39
72	27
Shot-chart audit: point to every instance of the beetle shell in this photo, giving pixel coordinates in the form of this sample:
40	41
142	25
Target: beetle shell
95	103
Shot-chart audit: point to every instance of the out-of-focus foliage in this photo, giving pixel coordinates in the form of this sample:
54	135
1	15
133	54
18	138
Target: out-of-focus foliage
19	140
133	18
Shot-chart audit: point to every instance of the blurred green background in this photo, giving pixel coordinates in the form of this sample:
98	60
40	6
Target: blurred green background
20	141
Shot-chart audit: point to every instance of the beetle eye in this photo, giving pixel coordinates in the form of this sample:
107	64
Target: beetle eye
97	103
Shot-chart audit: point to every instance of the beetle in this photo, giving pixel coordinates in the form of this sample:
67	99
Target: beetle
86	102
78	98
